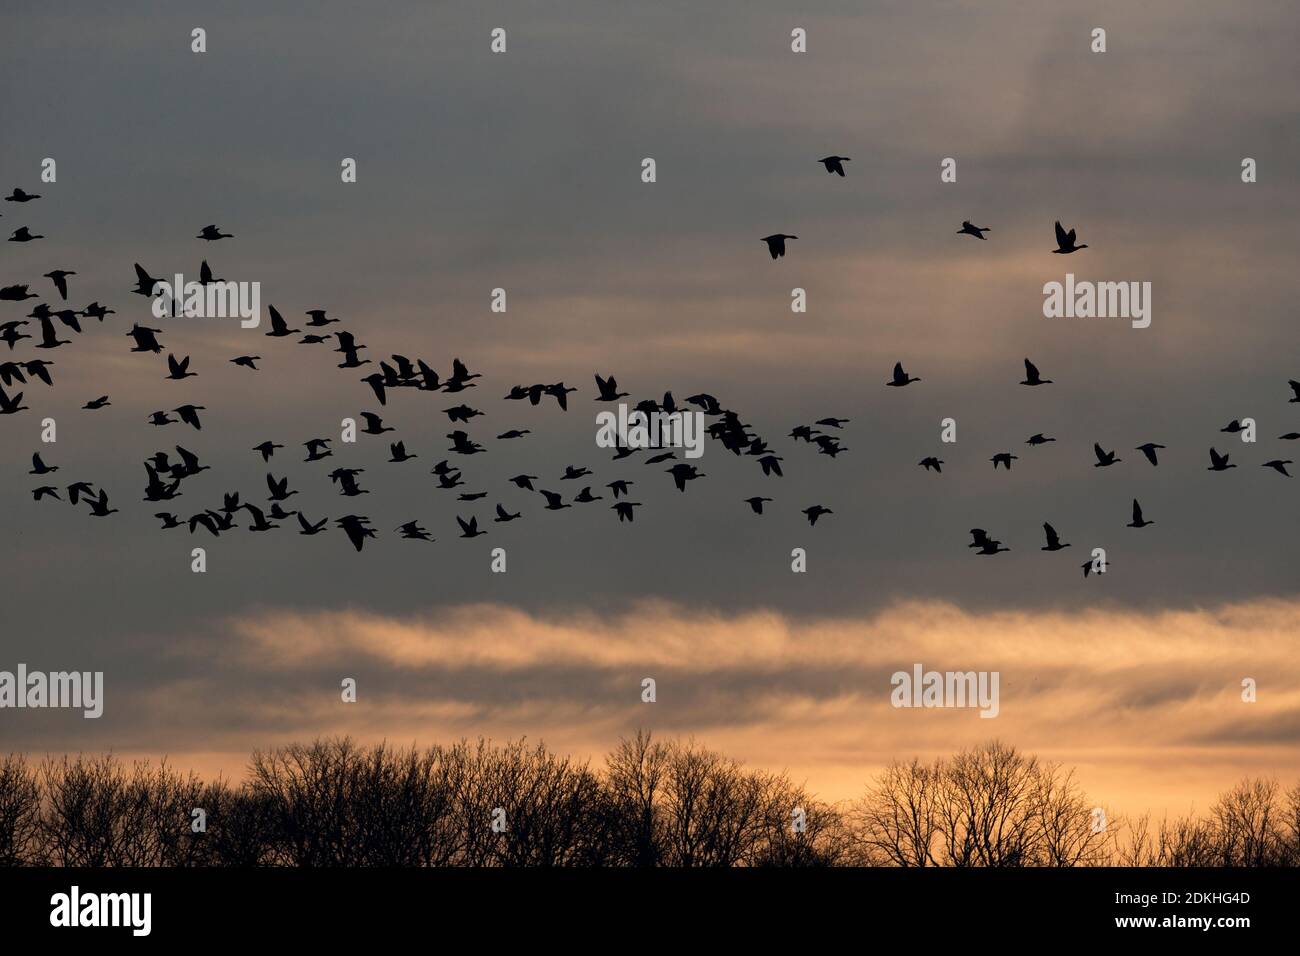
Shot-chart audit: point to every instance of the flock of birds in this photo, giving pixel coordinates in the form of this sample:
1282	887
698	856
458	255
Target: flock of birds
167	471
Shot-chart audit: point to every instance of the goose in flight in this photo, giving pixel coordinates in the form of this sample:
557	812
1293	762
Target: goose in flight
1149	449
1053	539
608	389
16	293
1104	458
23	234
524	481
834	165
212	234
1005	458
514	433
99	506
1065	242
259	519
930	463
756	503
776	243
554	502
266	449
991	547
503	515
246	361
1138	521
1101	568
901	378
683	473
279	327
398	453
60	279
413	532
45	491
1233	427
144	283
279	487
1218	462
1279	465
624	510
968	229
96	403
97	311
355	528
190	415
39	467
309	527
1038	439
316	449
19	196
375	425
9	406
145	339
1032	377
585	496
205	274
179	370
619	487
815	512
469	530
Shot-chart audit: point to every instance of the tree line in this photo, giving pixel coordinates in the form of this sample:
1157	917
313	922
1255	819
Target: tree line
674	803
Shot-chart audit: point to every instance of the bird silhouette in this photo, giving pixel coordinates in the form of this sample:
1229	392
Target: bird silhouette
1218	462
1138	521
179	369
1053	539
1038	439
212	233
1279	465
470	529
756	503
554	502
1104	458
776	243
833	165
246	361
1065	243
815	512
1149	449
280	328
39	467
608	388
930	463
23	234
624	510
19	196
968	229
1032	376
355	527
901	378
1004	458
503	515
60	279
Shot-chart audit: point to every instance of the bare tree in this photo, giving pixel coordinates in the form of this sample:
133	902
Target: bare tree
20	842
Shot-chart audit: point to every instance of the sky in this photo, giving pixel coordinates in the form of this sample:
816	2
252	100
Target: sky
522	170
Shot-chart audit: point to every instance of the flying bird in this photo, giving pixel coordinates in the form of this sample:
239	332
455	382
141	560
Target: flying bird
967	229
1065	243
776	244
833	165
